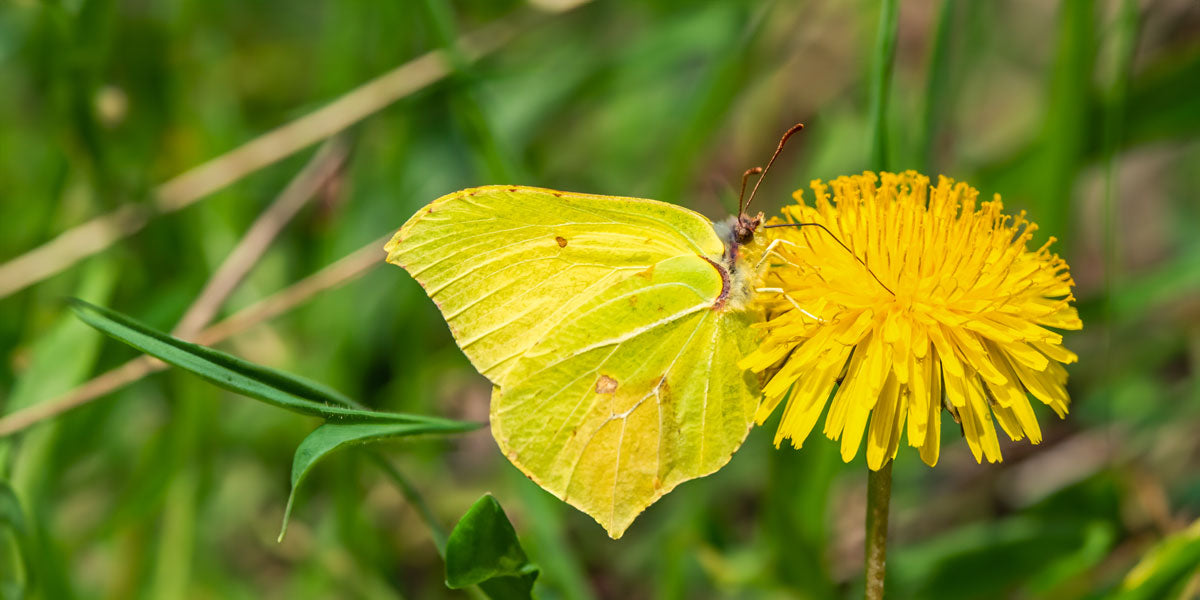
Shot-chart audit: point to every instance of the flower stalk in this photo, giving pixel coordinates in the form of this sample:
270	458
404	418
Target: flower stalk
879	495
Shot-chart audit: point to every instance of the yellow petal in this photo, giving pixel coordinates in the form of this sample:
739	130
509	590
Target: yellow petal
883	424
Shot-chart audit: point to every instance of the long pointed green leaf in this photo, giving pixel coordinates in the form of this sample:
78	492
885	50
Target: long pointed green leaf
332	436
483	550
261	383
1164	567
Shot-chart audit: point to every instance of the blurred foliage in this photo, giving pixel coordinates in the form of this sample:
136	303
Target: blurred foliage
1081	112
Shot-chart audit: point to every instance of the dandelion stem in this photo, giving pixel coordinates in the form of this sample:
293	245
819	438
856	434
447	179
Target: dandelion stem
879	495
879	483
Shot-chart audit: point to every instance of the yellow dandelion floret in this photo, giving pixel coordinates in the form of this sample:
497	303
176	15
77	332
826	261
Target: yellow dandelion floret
939	302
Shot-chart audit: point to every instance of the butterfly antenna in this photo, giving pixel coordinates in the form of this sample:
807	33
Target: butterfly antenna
787	134
745	176
840	243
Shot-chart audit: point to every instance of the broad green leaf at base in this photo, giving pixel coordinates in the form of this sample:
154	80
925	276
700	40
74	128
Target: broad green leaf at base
483	550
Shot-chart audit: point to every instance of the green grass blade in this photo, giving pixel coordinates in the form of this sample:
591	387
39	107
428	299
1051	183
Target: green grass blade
1165	567
332	436
483	550
12	518
794	517
715	97
1161	102
414	497
61	359
1066	123
548	542
1126	44
465	101
881	83
261	383
172	570
936	87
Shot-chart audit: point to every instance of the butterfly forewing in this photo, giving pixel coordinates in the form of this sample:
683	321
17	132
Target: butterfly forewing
505	263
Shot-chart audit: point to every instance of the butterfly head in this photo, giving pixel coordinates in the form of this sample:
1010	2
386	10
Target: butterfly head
744	228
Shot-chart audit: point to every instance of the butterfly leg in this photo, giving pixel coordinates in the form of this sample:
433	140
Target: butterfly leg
771	250
791	300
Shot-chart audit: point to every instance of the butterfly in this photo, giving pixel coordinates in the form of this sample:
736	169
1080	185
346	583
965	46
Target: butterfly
610	327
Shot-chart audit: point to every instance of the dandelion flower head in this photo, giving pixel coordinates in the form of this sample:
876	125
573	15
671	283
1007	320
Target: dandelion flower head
933	300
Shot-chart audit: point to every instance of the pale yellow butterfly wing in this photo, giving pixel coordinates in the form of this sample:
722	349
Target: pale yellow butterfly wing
504	263
633	393
603	324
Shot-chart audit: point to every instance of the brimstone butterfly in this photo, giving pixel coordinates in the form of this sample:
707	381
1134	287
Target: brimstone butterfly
610	327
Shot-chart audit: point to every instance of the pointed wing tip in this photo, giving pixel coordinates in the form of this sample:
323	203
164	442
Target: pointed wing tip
616	529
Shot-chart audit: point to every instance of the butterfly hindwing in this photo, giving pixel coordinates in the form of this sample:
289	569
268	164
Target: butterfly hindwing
632	394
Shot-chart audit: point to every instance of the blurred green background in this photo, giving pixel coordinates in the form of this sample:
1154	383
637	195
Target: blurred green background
1085	113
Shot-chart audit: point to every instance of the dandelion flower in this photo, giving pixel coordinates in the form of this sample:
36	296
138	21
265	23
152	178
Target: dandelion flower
939	302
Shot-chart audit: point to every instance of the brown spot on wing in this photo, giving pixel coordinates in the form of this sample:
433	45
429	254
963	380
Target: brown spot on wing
665	399
562	242
606	385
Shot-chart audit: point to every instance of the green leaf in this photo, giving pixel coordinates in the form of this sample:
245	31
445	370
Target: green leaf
483	550
271	386
332	436
348	425
1165	567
